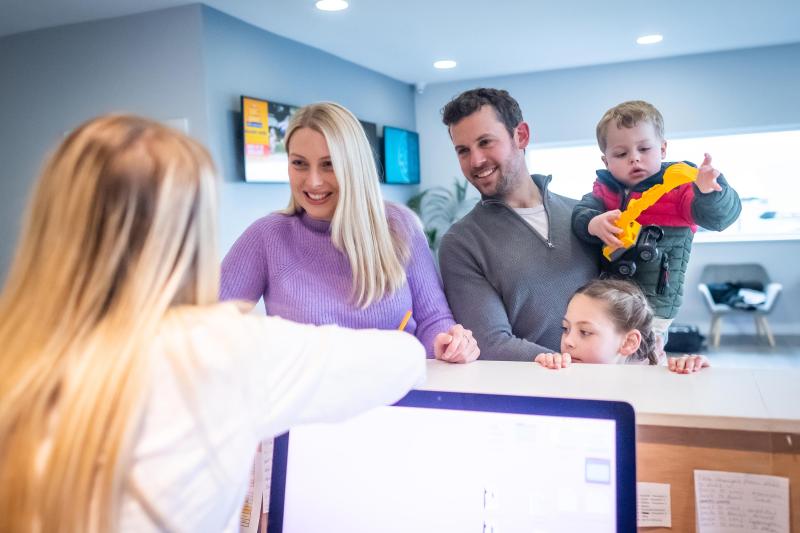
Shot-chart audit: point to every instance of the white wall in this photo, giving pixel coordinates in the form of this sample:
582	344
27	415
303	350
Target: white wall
743	90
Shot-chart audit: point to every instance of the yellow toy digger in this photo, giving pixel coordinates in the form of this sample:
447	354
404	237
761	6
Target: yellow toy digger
641	242
675	176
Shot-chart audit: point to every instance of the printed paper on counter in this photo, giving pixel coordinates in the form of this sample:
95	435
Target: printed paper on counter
653	507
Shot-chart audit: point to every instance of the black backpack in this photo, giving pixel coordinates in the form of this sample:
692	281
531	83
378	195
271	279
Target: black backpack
684	339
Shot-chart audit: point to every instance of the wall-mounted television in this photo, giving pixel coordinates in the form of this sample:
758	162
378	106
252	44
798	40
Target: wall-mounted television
371	129
264	124
400	155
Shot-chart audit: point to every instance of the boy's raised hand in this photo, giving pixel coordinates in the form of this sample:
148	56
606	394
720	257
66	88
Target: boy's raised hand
553	360
602	226
707	177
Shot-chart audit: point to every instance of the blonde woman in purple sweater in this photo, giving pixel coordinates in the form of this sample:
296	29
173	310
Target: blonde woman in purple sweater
338	254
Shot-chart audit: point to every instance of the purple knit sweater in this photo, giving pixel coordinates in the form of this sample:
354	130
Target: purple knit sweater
292	263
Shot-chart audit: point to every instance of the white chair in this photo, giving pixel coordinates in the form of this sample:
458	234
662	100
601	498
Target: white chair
745	272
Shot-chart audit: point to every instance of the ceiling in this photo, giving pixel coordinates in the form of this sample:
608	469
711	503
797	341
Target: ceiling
401	39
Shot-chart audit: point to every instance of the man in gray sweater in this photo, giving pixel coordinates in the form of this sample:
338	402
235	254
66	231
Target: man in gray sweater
510	266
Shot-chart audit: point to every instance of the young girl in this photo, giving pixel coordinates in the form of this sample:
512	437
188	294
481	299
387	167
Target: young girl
610	321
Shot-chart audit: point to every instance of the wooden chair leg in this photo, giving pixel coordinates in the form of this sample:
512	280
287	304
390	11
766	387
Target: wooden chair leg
759	330
711	330
765	326
714	332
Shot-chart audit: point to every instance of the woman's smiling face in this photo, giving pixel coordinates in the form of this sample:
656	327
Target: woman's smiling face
311	176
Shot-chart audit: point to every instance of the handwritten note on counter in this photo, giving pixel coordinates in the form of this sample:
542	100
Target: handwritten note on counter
731	502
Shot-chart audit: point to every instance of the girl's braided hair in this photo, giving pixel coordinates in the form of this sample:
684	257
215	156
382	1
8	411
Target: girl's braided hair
628	309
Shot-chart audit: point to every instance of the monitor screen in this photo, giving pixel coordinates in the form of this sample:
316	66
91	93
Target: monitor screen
371	130
415	468
264	124
401	155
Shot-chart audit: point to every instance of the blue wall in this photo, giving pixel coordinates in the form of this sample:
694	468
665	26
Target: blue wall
54	79
194	62
730	91
744	90
188	63
242	59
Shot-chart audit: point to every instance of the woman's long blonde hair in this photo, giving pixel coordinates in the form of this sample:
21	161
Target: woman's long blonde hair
377	252
120	228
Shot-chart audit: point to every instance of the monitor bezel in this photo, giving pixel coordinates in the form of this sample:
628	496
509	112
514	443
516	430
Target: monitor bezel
376	145
621	413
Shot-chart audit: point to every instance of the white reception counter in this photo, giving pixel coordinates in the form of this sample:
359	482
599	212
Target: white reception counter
714	398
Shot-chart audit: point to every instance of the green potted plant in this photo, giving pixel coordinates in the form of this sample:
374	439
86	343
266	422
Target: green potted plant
439	207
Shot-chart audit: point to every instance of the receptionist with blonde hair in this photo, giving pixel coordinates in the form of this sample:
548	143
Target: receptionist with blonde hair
131	399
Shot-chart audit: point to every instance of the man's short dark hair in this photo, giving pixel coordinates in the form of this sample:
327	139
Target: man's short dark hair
468	102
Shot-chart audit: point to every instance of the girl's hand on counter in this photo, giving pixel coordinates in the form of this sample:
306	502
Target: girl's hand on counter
687	364
553	360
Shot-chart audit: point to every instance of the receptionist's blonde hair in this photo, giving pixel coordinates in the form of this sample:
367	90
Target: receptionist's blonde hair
120	228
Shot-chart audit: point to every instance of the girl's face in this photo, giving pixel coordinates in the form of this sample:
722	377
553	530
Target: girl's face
311	177
590	336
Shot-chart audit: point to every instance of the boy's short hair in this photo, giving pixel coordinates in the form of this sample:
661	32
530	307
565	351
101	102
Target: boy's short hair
505	107
627	115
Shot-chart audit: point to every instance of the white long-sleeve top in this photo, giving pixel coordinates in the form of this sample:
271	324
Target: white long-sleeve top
249	378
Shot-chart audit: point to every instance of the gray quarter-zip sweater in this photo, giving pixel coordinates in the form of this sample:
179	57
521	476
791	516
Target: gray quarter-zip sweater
507	283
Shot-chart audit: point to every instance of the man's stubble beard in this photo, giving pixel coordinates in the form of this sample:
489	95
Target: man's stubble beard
507	181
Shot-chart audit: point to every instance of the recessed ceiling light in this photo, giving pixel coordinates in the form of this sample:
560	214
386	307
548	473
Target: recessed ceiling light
331	5
650	39
444	64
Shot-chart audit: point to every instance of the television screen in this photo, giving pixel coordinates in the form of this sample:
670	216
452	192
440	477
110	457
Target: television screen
401	155
372	136
264	124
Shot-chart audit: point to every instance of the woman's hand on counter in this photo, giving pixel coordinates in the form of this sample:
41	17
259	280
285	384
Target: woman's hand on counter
456	346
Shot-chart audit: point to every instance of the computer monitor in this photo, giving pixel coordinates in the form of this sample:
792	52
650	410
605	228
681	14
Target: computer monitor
454	462
371	131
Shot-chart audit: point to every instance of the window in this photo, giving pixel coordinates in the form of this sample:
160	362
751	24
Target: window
763	167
